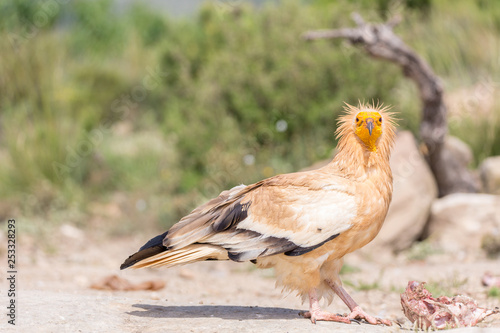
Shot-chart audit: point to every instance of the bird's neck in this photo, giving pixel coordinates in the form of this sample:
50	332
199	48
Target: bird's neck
355	161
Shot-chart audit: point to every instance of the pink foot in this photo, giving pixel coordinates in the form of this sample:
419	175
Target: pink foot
316	315
315	312
358	313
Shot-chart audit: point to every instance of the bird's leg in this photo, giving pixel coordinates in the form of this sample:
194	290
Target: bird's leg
356	311
315	312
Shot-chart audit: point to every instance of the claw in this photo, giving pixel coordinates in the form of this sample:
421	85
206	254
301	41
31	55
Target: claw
315	313
355	321
358	313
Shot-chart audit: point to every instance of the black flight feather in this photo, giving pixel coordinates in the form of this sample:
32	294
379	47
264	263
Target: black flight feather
237	214
151	248
302	250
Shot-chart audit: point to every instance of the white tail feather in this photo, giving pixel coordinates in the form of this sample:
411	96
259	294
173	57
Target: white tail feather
186	255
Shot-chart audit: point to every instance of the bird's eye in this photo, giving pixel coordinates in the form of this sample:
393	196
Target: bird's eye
357	119
380	119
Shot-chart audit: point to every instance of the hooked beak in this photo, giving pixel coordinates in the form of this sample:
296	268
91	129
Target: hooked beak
369	125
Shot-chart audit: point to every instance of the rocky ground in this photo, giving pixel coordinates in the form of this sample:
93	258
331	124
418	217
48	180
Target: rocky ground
54	293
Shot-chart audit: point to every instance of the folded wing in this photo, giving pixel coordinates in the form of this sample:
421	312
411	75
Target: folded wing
269	217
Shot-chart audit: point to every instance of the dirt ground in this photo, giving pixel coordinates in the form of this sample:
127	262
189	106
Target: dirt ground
54	294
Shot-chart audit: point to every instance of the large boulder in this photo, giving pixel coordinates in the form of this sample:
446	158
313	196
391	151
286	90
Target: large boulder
457	156
459	222
490	174
414	191
459	149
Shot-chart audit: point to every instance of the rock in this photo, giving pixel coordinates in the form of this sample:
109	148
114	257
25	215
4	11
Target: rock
459	221
414	191
115	282
490	175
72	232
457	156
459	149
187	274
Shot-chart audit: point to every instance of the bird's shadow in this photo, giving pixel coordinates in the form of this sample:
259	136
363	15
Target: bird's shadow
217	311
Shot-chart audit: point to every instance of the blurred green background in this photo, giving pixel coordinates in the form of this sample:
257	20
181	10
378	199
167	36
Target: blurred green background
122	116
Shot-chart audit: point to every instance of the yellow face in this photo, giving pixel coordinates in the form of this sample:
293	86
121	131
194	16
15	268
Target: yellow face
368	127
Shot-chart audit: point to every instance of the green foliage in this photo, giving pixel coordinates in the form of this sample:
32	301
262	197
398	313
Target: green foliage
27	16
422	250
494	292
150	26
96	101
96	28
348	269
363	285
448	287
490	244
